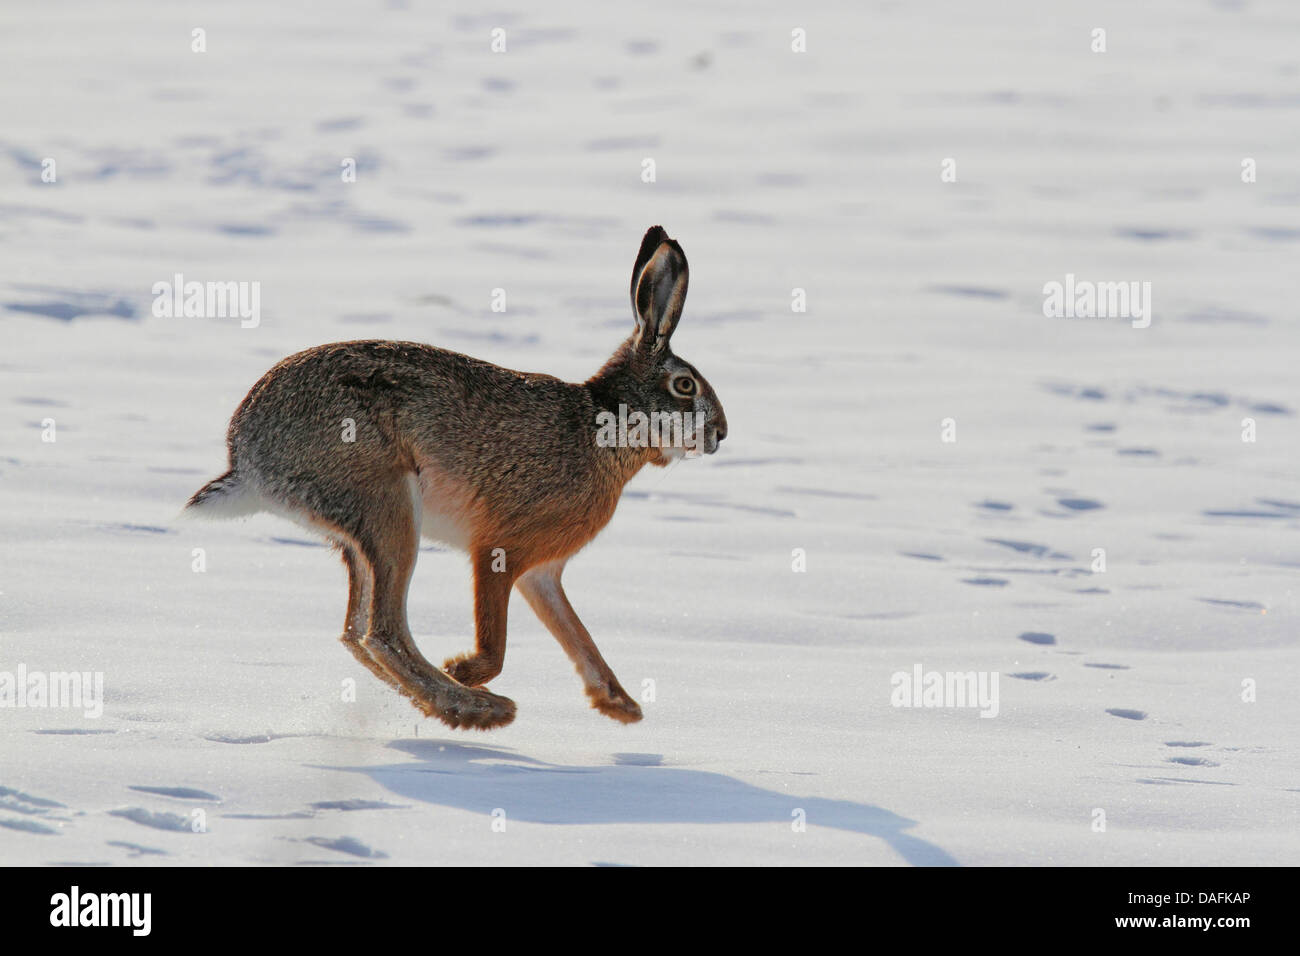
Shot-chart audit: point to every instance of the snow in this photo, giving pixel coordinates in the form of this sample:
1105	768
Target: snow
224	690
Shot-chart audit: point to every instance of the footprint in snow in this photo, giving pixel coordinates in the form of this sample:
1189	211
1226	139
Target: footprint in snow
136	850
180	793
348	845
1243	605
356	805
28	826
73	732
1126	714
1079	504
11	799
161	820
1038	637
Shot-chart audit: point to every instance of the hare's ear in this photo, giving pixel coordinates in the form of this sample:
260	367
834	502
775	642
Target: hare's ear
659	281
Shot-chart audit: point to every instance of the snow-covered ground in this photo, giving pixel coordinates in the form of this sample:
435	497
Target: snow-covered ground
1120	691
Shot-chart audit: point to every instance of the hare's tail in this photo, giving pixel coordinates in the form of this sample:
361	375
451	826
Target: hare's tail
224	497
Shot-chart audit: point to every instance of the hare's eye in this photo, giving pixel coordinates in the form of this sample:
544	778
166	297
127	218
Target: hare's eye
683	385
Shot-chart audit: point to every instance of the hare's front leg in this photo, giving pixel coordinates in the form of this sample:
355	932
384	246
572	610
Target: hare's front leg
545	595
491	602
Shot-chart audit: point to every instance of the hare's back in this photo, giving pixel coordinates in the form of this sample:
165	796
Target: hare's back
381	399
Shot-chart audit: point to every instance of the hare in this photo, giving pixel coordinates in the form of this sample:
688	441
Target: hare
375	444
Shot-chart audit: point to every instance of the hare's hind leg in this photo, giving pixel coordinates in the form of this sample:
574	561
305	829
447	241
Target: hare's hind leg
354	628
491	602
388	539
541	587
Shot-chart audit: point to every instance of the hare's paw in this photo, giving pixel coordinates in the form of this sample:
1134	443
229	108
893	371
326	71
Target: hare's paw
475	710
613	701
472	670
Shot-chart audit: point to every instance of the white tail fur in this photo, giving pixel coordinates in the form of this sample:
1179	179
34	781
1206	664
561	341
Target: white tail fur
224	497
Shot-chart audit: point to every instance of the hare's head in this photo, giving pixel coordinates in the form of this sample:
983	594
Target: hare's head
680	410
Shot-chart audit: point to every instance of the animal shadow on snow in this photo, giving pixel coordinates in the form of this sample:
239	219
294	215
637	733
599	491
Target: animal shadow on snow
636	789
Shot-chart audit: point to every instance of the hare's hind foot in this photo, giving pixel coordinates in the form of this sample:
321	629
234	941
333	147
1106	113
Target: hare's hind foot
473	710
435	694
613	701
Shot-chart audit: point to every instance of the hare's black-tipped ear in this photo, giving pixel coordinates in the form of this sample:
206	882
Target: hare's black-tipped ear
653	237
658	289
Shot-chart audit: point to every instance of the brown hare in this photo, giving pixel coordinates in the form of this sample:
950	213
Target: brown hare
376	443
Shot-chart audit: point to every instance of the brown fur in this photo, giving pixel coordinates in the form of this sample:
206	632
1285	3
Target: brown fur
503	464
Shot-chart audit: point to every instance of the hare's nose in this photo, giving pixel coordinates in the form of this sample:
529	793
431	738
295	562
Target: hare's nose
721	432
